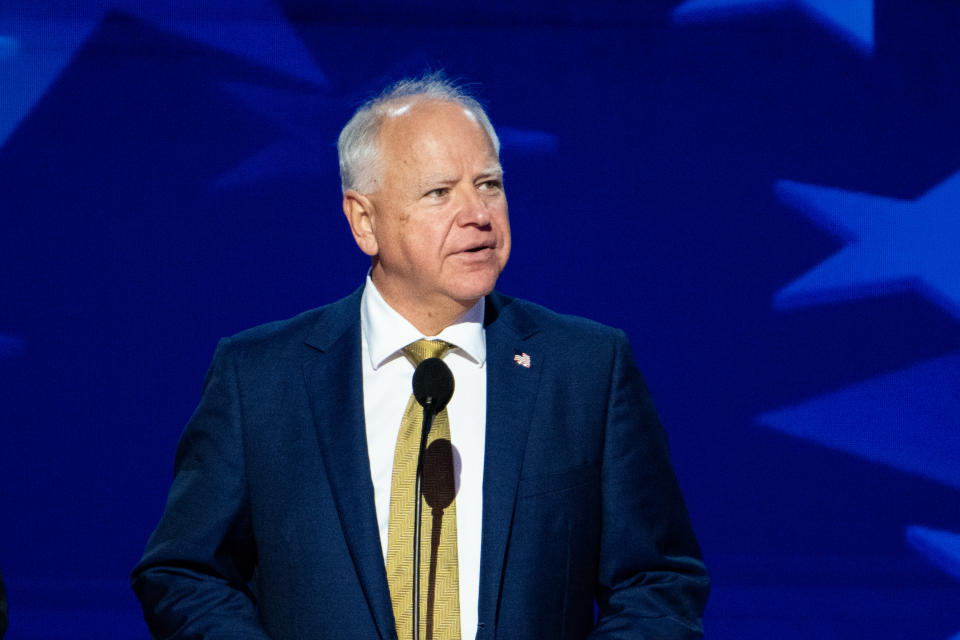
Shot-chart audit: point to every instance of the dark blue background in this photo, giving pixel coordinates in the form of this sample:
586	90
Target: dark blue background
168	176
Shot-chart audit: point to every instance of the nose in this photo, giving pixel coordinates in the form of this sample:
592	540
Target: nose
473	209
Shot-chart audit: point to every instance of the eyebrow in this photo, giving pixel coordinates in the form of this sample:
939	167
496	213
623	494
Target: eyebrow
441	179
434	180
495	170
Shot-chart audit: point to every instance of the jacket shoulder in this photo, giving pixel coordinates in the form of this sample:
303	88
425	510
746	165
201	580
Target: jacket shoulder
316	327
530	317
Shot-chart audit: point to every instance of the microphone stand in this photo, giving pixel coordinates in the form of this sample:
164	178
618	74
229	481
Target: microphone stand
432	387
428	414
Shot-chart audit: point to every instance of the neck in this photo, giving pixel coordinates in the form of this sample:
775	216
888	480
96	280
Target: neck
429	317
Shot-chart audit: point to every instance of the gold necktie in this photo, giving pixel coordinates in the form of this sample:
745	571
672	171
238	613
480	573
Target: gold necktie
439	574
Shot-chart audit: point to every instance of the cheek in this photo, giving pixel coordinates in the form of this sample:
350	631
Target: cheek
500	212
424	244
503	222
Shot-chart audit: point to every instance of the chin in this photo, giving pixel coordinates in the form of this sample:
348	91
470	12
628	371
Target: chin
473	283
474	290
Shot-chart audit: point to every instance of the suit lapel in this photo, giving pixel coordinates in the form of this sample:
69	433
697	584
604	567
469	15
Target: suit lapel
511	394
334	383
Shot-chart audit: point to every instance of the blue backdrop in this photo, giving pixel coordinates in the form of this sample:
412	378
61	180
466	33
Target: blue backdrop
765	194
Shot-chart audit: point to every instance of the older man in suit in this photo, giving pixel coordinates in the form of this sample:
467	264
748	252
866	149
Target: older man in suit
289	515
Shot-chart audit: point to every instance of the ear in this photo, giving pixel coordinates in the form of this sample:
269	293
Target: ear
359	211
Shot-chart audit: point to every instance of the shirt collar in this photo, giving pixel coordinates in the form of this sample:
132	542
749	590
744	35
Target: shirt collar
386	332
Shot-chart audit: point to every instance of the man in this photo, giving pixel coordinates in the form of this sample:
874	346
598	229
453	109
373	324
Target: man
284	519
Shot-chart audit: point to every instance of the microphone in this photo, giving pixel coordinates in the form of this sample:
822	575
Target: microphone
433	388
433	384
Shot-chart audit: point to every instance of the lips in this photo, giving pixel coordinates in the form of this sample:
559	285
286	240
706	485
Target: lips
477	248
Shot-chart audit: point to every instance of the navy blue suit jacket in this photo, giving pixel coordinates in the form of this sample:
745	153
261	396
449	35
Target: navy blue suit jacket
270	529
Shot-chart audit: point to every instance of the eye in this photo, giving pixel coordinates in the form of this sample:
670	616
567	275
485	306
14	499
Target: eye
490	185
439	192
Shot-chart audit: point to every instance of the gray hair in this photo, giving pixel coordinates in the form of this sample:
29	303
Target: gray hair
358	146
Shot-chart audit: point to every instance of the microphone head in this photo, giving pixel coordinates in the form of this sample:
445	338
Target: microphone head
433	384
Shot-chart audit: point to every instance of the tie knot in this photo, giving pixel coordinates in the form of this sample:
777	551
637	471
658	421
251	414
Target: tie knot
420	350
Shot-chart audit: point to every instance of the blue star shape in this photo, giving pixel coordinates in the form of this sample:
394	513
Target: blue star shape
36	43
941	548
852	20
868	420
891	245
303	121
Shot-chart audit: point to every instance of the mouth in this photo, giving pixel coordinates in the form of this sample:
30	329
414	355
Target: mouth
478	248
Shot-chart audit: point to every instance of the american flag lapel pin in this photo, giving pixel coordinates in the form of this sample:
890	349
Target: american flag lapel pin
522	359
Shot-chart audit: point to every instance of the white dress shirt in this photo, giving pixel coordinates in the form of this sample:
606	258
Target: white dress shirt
387	385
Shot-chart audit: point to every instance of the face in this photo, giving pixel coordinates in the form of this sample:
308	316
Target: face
436	225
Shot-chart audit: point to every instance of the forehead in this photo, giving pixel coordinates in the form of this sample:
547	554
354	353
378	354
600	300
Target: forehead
431	127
